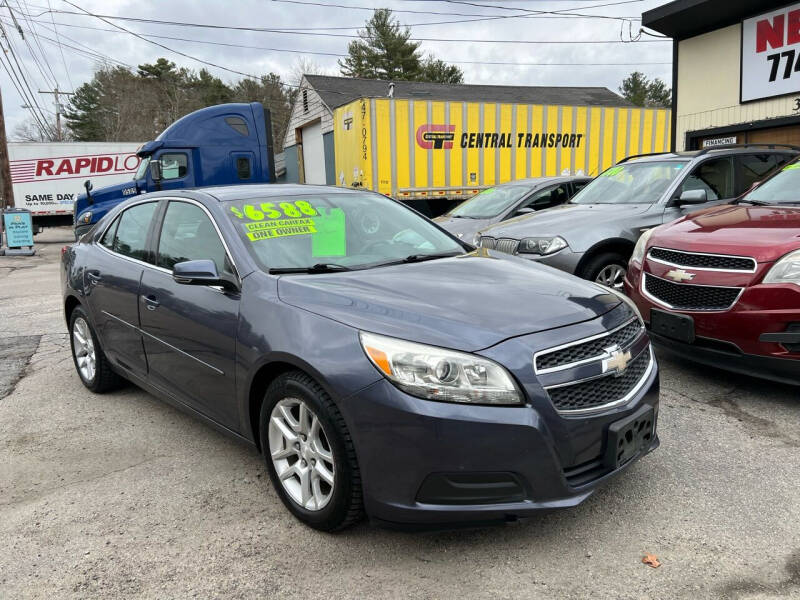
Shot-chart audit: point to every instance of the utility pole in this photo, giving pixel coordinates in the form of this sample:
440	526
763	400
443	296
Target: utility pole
5	166
56	93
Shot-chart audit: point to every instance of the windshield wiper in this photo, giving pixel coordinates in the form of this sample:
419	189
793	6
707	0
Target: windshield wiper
413	258
753	202
317	268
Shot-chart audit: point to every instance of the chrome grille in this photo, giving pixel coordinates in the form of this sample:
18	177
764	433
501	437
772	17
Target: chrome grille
685	296
577	352
596	394
697	260
506	245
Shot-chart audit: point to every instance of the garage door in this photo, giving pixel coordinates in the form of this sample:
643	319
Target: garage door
313	154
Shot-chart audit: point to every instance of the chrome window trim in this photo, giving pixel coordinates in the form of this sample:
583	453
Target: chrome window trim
577	343
664	262
603	407
649	296
96	240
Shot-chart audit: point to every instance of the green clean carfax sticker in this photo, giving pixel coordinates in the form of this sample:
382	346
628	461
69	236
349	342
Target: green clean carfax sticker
266	230
791	167
612	171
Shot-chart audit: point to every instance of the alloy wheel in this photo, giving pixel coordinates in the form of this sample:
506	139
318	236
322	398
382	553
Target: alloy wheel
83	347
301	454
611	276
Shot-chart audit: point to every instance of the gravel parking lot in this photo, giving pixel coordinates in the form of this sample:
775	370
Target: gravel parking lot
121	495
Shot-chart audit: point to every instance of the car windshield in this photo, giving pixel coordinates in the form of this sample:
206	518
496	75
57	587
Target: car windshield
335	230
631	183
490	203
783	188
142	168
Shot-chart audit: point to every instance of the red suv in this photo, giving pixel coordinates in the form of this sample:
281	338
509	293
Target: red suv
722	286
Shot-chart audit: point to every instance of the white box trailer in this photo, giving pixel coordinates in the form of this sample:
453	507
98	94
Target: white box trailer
47	177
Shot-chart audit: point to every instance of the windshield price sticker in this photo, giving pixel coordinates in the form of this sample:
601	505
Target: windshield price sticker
612	172
270	210
272	229
791	167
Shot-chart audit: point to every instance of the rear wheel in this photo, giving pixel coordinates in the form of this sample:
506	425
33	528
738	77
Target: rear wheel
608	269
90	362
309	454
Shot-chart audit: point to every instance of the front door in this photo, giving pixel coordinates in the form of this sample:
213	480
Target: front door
190	330
111	281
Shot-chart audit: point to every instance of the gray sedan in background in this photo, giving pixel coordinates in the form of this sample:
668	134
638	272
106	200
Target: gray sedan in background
509	200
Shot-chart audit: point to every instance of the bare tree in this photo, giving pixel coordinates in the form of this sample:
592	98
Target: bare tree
30	131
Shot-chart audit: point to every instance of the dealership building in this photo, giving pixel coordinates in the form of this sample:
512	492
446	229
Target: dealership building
736	70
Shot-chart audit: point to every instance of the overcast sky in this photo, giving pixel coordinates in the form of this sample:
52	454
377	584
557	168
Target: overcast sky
81	32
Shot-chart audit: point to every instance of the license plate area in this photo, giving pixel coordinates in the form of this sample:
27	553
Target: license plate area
628	437
672	326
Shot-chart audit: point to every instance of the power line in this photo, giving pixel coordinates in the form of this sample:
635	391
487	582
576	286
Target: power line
60	49
343	55
108	18
42	53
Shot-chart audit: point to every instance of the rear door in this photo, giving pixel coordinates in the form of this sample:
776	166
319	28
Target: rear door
190	331
111	281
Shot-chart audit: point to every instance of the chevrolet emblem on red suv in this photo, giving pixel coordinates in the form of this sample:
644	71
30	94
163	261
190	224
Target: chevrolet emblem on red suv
679	275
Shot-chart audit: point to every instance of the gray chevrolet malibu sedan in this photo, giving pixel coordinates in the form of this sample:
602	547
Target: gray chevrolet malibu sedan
593	235
329	328
508	200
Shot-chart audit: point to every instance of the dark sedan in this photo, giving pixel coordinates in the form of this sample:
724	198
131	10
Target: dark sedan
507	200
331	329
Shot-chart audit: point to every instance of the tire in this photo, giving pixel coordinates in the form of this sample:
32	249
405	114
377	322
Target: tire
603	266
101	378
311	456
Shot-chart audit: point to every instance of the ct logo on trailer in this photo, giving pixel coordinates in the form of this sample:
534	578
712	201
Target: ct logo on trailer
680	275
435	137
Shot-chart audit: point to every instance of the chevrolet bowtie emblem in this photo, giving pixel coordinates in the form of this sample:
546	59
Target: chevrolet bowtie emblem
617	361
680	275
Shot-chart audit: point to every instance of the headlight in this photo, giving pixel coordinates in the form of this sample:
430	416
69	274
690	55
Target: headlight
638	250
85	218
438	374
786	270
541	245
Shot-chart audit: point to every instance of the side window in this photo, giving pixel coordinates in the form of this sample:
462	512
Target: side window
753	167
547	197
188	234
173	166
714	176
243	167
108	237
130	238
577	186
238	124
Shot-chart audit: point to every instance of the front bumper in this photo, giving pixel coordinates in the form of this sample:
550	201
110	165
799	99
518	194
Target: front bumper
736	339
563	260
402	440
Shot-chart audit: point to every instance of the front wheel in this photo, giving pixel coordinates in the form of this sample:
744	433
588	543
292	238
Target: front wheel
309	454
607	269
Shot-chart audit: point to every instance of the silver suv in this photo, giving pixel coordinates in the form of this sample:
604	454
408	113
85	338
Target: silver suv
593	235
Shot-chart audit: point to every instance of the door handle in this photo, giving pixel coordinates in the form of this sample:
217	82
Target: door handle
151	302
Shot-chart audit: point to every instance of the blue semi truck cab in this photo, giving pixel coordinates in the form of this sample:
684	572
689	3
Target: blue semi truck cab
218	145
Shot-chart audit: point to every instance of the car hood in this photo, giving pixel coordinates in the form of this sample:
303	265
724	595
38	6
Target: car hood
103	199
462	228
467	303
563	220
764	232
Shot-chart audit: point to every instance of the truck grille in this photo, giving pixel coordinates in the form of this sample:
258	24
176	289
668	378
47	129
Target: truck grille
506	245
703	261
598	392
594	348
684	296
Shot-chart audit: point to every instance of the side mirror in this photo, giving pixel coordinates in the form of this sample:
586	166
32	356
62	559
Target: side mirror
155	170
525	211
201	272
693	197
88	185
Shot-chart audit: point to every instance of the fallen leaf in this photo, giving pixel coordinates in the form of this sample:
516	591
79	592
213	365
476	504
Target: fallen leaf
651	560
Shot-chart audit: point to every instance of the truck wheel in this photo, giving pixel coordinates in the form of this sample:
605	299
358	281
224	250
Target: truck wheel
608	269
90	362
309	453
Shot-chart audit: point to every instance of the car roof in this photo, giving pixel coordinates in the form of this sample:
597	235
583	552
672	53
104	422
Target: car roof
721	151
544	180
225	193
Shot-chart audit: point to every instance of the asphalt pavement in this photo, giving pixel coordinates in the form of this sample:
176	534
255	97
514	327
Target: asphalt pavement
120	495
